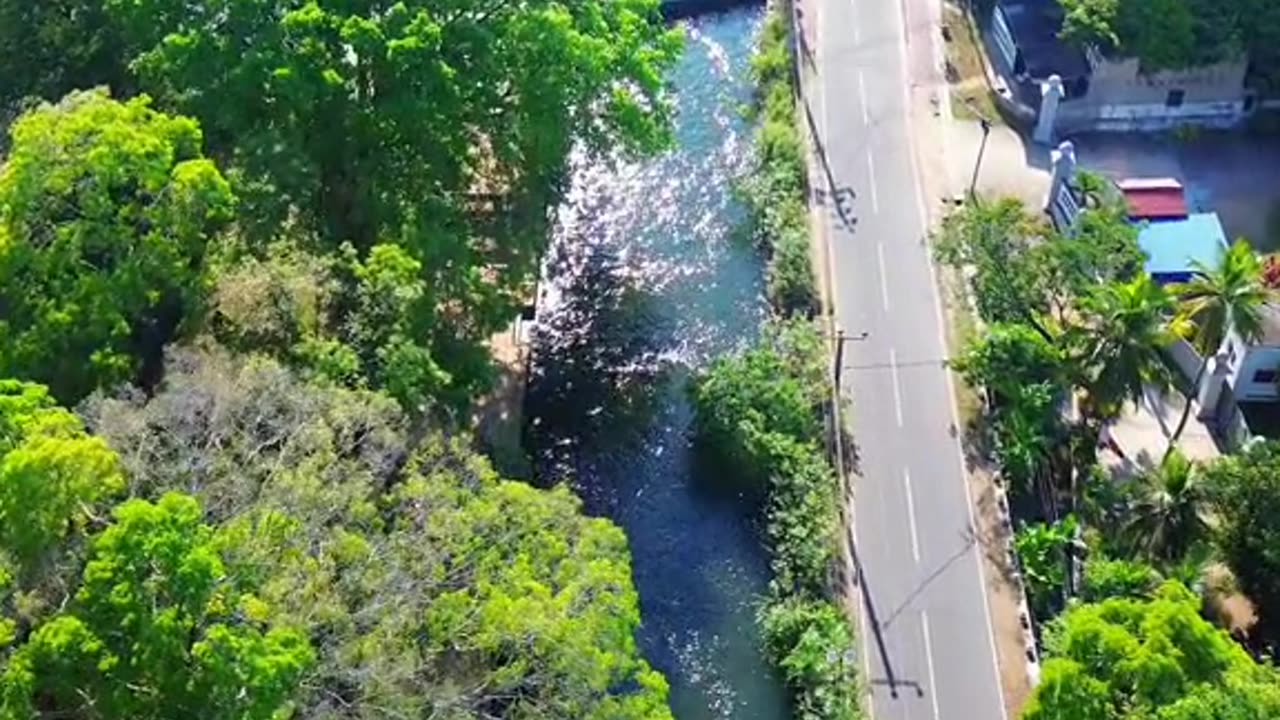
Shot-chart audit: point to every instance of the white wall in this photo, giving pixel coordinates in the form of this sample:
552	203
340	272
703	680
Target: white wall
1255	359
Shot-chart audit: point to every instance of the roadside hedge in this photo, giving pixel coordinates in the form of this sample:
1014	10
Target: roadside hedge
760	411
775	188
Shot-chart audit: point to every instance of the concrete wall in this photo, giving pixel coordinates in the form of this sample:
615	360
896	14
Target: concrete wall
1123	99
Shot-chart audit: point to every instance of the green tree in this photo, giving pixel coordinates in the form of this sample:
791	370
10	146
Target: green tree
761	390
812	643
1170	514
1245	493
443	128
430	586
996	242
1107	578
48	49
158	628
106	209
1157	658
1124	332
1218	301
1008	357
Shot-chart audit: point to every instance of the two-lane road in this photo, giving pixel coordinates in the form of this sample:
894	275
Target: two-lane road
926	626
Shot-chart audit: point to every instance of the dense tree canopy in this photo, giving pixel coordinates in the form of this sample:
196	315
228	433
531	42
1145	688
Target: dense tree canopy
419	143
106	209
1148	658
433	586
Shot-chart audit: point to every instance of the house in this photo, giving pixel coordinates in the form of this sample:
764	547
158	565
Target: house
1238	394
1175	240
1072	89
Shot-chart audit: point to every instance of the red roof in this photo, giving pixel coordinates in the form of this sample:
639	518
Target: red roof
1155	203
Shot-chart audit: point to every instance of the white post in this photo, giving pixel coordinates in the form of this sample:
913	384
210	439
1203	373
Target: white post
1051	93
1211	385
1063	161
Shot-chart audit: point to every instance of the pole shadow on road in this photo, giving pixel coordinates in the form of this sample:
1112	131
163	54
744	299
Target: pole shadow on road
970	540
842	195
890	679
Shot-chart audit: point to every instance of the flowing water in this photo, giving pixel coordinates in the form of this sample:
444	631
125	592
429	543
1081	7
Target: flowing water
646	280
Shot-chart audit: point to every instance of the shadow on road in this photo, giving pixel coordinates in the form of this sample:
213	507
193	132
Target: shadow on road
873	622
841	195
971	539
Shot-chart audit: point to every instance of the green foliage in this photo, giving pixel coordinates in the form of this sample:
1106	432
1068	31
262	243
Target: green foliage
106	209
1107	578
1171	512
1225	298
1042	551
995	240
743	396
1121	340
759	411
429	585
157	629
775	189
1007	357
437	130
812	643
1162	34
1156	658
48	49
1244	491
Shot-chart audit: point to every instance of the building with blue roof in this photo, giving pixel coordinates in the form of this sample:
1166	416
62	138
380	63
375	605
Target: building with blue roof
1177	248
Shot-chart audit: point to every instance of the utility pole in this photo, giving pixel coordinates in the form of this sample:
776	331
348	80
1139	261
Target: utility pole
841	338
977	163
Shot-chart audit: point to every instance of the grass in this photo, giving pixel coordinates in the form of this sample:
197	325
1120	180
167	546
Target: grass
969	89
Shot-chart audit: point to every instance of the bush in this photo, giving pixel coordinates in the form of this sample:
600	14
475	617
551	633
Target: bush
759	411
775	189
810	642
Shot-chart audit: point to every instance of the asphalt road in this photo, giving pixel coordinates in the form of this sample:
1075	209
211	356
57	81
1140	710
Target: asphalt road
928	648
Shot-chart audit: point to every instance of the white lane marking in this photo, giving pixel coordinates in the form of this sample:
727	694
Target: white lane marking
911	516
897	389
884	277
871	173
951	390
928	660
862	98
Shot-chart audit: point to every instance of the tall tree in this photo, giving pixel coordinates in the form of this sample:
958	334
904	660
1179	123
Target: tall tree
1121	341
1170	513
441	127
430	587
106	209
1217	302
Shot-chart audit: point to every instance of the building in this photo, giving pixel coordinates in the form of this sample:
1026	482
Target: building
1238	393
1071	89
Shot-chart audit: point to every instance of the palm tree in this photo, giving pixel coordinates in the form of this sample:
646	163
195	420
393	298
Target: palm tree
1171	513
1124	335
1216	302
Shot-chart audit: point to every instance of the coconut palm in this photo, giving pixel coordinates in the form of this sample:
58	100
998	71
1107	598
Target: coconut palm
1217	301
1170	514
1121	342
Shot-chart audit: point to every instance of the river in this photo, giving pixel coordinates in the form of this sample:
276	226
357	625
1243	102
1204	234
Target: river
646	280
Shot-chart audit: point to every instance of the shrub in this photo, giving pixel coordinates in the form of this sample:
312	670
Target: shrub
810	641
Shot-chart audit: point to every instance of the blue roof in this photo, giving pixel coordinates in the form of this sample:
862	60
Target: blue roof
1173	247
